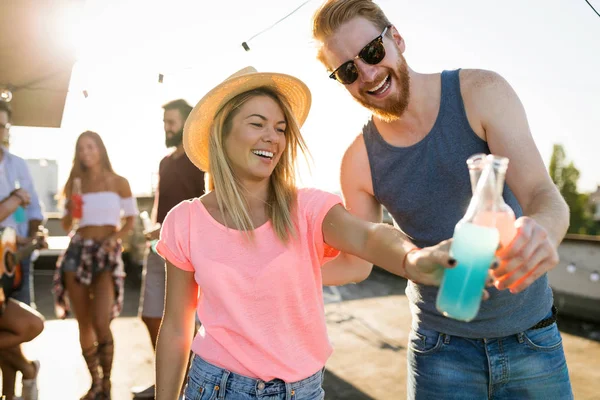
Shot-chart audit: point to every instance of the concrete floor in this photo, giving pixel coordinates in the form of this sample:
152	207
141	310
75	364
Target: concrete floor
368	326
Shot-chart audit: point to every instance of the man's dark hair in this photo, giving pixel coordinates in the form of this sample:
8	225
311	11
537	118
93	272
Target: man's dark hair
4	106
181	105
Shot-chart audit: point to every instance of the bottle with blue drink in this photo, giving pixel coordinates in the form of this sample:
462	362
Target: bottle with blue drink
19	215
474	244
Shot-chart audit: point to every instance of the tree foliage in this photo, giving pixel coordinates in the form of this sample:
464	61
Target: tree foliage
565	176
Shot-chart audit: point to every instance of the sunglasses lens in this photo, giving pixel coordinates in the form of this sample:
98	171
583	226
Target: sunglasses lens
374	52
347	73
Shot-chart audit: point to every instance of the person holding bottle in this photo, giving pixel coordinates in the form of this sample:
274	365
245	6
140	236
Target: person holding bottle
15	174
410	157
248	257
488	222
90	271
19	196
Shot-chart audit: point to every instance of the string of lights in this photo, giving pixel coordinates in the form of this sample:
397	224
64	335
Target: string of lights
7	90
592	7
594	274
245	44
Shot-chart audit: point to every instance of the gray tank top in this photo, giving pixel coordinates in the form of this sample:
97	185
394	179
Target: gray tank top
426	189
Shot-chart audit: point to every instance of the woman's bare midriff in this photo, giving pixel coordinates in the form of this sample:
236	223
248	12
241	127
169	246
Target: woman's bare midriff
97	233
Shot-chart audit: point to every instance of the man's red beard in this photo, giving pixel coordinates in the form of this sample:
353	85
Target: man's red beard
396	104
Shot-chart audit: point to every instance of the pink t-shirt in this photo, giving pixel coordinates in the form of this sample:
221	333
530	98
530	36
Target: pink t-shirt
260	302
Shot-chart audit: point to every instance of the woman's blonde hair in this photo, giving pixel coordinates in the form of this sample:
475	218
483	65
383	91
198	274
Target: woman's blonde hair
334	13
78	168
281	199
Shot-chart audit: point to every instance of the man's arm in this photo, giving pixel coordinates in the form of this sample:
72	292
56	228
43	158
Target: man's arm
155	234
9	204
503	122
35	217
355	180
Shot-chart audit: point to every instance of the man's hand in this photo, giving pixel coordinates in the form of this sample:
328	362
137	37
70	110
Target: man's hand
23	240
154	234
530	255
23	196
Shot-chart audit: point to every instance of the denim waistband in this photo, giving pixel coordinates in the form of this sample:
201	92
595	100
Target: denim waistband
209	373
548	320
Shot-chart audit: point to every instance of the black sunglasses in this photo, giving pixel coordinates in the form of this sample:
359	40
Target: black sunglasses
373	53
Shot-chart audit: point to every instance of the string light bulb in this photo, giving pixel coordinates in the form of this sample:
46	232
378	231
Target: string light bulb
6	95
594	274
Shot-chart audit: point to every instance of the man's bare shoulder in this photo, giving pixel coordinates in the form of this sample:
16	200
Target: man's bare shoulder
355	153
481	82
486	96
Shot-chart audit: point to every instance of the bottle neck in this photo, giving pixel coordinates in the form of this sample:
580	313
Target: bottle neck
500	184
499	172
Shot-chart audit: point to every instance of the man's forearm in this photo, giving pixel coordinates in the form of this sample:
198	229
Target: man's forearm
549	209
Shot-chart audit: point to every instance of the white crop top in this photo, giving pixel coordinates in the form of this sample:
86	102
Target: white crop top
104	208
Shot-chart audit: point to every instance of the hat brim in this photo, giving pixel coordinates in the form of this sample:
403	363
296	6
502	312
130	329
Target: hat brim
198	125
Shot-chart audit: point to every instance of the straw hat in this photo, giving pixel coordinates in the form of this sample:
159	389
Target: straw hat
198	125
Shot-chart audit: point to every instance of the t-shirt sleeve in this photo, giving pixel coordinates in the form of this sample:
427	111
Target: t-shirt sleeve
174	242
316	204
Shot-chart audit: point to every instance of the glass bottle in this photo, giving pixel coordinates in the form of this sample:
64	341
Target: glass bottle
505	216
76	202
474	244
19	214
148	227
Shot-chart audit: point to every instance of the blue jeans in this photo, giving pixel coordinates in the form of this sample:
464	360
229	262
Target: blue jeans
209	382
529	365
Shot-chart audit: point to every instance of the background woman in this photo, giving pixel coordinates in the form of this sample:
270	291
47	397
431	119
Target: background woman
91	268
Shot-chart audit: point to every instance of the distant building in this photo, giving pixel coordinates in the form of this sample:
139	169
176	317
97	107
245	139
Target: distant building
45	180
595	202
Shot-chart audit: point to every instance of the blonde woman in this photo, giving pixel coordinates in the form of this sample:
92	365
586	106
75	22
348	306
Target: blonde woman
91	269
247	256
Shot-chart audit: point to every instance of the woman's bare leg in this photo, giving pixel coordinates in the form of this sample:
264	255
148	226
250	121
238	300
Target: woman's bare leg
81	302
104	296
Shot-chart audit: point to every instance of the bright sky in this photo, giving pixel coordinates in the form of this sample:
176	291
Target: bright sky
547	49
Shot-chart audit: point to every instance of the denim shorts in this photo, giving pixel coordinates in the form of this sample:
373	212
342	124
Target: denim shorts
529	365
71	259
209	382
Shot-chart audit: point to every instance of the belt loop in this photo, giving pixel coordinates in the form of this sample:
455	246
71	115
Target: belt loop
520	337
446	338
223	384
